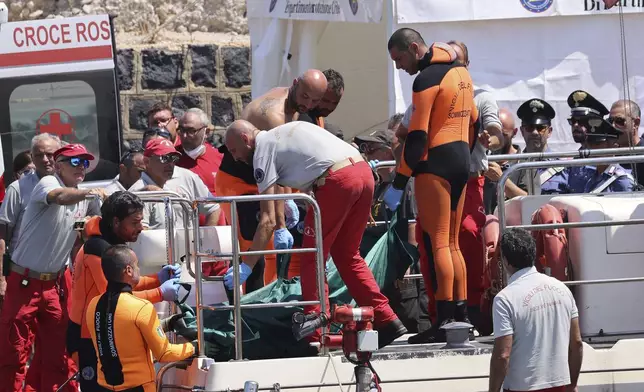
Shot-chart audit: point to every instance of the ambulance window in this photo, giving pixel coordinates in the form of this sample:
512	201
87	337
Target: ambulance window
66	109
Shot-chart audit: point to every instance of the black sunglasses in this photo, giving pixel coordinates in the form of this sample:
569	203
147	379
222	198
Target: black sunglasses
169	158
620	121
76	161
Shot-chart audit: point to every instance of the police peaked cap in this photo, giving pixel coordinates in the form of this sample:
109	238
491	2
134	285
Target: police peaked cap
583	104
600	130
535	111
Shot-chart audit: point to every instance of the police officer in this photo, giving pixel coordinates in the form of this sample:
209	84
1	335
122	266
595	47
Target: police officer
536	116
605	178
583	107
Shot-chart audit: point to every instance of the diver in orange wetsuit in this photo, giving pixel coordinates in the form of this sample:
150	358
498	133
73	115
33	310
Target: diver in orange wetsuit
437	153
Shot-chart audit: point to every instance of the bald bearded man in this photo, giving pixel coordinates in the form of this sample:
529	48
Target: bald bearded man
278	106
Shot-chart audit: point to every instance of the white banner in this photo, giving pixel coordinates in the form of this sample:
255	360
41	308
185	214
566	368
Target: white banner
415	11
365	11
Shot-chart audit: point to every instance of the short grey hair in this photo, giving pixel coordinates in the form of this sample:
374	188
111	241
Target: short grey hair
41	137
203	117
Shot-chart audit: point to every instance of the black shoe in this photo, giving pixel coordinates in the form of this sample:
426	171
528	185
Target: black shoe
390	332
445	315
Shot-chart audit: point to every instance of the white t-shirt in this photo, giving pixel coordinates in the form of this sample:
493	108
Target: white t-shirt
47	230
536	309
14	205
183	182
296	154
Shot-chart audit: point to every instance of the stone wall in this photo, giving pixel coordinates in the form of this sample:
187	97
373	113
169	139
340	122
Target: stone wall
212	77
144	16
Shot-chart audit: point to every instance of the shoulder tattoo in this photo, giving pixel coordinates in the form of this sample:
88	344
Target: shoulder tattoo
266	104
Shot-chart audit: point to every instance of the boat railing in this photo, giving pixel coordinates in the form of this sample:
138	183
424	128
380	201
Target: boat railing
534	161
235	255
564	163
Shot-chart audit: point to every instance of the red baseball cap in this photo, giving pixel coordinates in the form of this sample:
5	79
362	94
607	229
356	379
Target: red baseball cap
73	150
159	147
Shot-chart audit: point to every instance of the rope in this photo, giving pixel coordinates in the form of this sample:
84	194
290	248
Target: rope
337	376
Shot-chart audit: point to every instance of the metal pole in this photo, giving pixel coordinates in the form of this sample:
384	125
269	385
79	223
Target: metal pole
198	284
236	282
570	225
321	267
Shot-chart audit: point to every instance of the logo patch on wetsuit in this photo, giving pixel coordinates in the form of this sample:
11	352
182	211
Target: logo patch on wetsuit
536	6
160	332
88	373
308	231
354	6
271	7
259	175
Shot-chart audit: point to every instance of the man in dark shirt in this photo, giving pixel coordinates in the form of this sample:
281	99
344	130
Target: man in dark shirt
625	116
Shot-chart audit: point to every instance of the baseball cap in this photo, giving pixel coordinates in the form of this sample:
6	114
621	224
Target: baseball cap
382	137
73	150
160	147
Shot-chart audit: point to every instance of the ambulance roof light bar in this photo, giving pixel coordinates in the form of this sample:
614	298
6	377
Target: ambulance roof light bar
4	13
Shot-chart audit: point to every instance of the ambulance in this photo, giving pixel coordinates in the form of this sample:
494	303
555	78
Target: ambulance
59	76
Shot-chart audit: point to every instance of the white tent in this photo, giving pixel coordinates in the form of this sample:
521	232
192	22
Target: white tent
518	49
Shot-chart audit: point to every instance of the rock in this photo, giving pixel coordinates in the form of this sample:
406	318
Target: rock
203	29
125	68
31	5
246	98
24	13
222	111
185	102
139	112
36	14
193	27
182	29
161	69
87	9
76	11
85	2
16	6
236	66
204	66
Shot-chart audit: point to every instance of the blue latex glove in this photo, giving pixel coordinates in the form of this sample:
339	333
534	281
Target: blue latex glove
392	197
170	290
291	213
169	271
283	239
373	164
244	273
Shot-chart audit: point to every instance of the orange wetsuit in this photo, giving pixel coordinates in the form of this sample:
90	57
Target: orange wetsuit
125	330
89	282
437	153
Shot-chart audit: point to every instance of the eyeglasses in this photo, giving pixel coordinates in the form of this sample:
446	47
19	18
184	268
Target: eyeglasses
619	121
578	120
168	158
189	131
539	128
76	161
157	132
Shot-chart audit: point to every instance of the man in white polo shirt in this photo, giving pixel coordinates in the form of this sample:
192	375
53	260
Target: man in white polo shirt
161	173
304	156
36	288
537	343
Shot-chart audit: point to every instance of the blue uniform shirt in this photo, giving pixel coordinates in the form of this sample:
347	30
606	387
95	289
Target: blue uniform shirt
586	179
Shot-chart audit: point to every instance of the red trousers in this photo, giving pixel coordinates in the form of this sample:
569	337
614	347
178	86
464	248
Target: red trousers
471	240
471	244
35	310
345	202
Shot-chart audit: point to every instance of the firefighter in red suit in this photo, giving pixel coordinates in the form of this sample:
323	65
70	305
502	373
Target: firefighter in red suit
301	155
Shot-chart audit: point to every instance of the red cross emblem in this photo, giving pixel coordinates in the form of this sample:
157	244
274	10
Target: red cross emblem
56	122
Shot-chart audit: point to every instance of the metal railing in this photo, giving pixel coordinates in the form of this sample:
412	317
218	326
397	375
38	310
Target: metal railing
563	163
235	256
